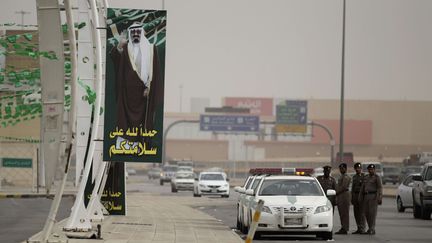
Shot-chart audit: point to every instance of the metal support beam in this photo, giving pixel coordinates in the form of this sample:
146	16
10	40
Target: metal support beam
332	142
166	134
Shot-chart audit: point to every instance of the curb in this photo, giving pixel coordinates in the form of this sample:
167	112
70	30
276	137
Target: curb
49	196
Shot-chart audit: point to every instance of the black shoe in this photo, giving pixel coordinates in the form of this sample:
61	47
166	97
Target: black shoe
341	232
365	233
357	232
371	232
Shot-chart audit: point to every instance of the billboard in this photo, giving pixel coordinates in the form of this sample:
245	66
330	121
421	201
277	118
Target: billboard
291	116
134	93
229	123
257	106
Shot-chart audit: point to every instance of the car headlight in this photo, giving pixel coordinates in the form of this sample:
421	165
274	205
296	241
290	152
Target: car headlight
202	185
225	185
266	209
322	209
429	189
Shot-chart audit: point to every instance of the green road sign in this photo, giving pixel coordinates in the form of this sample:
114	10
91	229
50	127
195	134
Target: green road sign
17	163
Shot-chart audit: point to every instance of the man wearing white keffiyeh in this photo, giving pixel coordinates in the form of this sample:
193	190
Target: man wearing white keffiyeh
137	84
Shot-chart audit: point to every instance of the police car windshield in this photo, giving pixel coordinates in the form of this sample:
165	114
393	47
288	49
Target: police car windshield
290	188
212	177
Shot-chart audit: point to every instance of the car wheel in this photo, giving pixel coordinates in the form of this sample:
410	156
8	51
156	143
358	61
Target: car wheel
326	235
416	209
161	182
400	206
173	189
226	196
425	212
245	229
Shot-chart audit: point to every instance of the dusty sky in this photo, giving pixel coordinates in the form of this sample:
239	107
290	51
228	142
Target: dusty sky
287	48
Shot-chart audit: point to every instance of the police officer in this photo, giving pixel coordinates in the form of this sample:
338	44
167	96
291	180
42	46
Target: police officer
343	199
357	182
327	182
371	195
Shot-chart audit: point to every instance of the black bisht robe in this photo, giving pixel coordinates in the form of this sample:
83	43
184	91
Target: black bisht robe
133	109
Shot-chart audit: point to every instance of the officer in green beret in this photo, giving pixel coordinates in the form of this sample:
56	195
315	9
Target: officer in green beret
343	199
327	182
357	182
371	195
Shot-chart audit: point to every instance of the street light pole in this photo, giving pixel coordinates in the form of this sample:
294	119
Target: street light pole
341	126
22	12
181	97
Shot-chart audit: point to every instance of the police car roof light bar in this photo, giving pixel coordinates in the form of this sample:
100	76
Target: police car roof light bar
281	171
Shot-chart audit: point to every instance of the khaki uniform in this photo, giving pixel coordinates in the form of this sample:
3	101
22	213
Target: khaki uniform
328	183
343	200
371	195
357	182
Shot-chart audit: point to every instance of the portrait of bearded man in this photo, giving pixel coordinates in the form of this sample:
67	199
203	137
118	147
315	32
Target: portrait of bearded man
138	85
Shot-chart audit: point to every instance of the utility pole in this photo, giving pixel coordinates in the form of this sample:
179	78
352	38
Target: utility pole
341	123
22	12
181	97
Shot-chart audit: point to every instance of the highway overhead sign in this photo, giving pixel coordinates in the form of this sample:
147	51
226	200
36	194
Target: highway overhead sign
229	123
291	116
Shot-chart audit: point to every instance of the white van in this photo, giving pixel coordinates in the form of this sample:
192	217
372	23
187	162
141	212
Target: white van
378	167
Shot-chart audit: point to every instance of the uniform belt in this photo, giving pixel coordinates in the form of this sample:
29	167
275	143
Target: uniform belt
370	192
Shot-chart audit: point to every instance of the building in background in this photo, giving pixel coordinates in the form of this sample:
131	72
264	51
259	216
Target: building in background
374	130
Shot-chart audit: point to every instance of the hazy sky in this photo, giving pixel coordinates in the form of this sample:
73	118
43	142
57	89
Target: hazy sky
288	48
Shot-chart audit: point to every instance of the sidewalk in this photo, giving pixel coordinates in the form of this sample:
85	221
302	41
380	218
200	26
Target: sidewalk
152	218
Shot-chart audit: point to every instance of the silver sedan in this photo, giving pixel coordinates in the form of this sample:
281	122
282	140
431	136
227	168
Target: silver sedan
404	193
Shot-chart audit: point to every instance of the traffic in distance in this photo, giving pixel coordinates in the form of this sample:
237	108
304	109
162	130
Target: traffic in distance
295	200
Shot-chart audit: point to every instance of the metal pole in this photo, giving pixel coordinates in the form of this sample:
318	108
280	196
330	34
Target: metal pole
332	143
166	133
341	126
181	98
22	12
37	170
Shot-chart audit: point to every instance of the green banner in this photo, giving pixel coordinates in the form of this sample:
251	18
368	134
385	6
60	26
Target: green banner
134	93
17	163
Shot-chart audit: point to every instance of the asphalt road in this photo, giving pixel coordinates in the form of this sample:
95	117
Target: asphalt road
20	218
391	225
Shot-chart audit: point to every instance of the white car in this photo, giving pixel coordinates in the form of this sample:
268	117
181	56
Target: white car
183	181
404	193
241	190
185	168
292	205
246	202
211	183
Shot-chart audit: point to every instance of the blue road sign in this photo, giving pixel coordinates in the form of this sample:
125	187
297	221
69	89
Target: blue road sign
229	123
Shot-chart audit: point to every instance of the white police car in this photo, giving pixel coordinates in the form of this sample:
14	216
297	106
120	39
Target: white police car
293	204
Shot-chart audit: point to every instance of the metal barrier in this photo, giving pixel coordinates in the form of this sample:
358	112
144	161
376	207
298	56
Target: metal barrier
255	220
